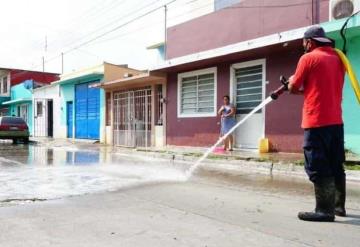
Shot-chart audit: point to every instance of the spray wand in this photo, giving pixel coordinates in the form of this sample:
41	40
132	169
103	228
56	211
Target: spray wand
284	87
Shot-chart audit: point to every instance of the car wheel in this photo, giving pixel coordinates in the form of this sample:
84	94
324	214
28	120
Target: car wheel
26	140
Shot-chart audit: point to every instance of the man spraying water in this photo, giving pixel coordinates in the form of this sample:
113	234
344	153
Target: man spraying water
319	76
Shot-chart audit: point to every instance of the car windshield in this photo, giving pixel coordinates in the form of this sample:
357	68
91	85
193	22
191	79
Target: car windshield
12	120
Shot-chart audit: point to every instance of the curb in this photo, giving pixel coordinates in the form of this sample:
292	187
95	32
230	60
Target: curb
241	164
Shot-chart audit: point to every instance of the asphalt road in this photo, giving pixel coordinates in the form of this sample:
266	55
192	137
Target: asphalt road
212	209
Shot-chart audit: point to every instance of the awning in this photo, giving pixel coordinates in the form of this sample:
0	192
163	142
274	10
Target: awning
144	78
17	101
86	77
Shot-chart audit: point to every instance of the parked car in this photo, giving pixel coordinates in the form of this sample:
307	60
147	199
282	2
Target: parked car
14	128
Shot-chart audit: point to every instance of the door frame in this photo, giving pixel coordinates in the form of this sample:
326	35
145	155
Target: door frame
233	67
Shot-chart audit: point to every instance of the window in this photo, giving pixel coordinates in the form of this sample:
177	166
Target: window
197	93
249	88
39	108
5	85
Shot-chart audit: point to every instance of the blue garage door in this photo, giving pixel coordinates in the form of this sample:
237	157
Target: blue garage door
87	112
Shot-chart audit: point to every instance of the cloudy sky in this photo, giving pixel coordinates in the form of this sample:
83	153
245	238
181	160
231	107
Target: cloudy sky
32	29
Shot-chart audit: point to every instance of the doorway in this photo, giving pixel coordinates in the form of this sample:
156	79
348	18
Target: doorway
50	118
248	85
132	118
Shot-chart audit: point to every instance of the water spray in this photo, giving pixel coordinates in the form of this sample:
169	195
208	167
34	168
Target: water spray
273	96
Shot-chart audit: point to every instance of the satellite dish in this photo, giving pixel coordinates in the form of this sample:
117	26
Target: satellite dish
342	9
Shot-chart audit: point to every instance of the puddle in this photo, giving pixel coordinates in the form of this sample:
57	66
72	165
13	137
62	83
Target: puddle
35	173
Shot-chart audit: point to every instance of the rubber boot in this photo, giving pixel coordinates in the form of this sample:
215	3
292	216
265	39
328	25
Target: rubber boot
340	196
325	202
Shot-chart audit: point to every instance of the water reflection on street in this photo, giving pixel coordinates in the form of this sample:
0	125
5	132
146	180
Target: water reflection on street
35	172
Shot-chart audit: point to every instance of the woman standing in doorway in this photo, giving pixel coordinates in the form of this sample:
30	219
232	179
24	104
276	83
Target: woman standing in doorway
227	113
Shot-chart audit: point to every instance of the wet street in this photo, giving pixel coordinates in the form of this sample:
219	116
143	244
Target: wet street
70	195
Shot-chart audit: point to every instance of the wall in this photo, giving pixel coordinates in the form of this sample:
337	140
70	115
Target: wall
19	92
351	109
282	119
52	92
236	24
67	94
351	113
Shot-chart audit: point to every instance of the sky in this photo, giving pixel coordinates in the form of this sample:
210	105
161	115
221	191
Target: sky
33	29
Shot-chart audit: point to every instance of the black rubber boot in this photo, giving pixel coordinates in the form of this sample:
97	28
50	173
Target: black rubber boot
340	196
325	202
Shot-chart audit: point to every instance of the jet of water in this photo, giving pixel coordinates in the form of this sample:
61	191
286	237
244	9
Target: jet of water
194	167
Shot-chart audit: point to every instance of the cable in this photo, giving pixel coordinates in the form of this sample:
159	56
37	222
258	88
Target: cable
343	31
270	6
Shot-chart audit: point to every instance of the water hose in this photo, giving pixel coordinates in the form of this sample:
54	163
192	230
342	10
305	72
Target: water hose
352	76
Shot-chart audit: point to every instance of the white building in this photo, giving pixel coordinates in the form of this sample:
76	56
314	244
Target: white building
46	111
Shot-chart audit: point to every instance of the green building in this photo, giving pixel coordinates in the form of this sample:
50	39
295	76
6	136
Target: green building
351	107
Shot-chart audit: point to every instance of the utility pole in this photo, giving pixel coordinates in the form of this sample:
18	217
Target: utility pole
43	57
43	63
165	30
62	63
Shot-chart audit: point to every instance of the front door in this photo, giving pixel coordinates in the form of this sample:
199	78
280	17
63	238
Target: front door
69	119
132	118
40	117
248	86
87	112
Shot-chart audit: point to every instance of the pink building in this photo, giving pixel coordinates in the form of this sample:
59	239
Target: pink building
239	51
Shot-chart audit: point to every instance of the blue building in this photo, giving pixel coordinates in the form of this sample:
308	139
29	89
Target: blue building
82	106
20	103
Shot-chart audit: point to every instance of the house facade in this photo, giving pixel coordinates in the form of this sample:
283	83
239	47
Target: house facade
17	93
71	107
135	109
20	103
244	60
46	111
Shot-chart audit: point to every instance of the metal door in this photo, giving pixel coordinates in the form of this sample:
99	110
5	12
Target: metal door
69	118
40	118
249	84
132	118
87	112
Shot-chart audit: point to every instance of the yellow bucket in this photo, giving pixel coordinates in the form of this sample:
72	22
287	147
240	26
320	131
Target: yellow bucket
264	145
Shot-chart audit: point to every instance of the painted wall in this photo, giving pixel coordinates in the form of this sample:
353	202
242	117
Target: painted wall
68	94
236	24
51	92
351	109
20	92
283	130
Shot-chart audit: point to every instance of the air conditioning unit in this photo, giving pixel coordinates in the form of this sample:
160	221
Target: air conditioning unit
339	9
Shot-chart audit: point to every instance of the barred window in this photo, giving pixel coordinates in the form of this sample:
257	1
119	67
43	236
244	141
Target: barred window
248	88
197	93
